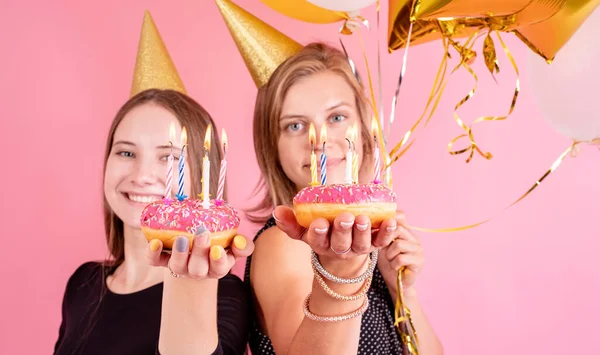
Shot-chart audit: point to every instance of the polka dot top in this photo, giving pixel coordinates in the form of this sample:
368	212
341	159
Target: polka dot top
377	332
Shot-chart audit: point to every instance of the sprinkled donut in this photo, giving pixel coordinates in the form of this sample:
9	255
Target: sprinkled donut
168	219
375	201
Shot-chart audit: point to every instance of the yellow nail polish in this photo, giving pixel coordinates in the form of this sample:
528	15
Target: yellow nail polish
239	242
154	244
215	252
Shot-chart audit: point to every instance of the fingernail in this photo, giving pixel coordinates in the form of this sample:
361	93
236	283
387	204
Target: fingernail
201	229
346	225
275	217
215	252
182	244
392	227
154	244
239	242
321	230
361	227
201	239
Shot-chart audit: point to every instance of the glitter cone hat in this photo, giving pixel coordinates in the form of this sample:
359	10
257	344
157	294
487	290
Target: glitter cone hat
154	68
262	47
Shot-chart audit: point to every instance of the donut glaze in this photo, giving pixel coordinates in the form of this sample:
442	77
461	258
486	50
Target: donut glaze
166	219
345	194
375	201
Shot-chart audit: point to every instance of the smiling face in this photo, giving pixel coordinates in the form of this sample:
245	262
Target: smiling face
136	168
321	99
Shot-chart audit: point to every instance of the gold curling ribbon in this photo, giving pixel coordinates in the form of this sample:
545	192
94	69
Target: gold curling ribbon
433	101
573	149
434	98
466	55
403	321
492	64
448	28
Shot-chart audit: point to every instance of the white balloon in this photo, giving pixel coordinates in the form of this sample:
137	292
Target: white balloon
342	5
567	91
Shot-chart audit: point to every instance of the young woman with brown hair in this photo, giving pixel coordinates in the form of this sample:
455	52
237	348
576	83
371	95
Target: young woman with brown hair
126	305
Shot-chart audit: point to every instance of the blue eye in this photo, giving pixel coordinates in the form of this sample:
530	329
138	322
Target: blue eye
295	127
338	118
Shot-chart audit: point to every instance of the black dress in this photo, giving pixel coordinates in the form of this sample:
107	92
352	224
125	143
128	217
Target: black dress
98	321
377	332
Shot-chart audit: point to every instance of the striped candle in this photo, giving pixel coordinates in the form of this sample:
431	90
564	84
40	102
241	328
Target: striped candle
206	169
323	156
354	156
223	171
313	158
181	167
169	181
377	168
180	191
349	159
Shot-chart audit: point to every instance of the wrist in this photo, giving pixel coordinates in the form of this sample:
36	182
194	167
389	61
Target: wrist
346	267
410	294
188	283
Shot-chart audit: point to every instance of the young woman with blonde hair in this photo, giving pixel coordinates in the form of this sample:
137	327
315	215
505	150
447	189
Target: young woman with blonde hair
297	309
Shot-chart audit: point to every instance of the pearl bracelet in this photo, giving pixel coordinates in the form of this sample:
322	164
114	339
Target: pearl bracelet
343	317
358	295
339	280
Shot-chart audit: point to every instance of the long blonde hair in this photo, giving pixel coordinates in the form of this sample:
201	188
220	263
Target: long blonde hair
277	188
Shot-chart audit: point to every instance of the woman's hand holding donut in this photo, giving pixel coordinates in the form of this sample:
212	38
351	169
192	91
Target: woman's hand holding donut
202	261
348	236
406	252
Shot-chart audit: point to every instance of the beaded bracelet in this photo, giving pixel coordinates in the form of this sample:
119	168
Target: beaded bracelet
358	295
343	317
339	280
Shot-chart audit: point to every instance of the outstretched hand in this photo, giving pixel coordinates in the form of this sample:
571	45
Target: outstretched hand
347	237
202	261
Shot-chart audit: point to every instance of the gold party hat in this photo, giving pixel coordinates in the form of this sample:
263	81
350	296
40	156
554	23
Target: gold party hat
154	68
263	47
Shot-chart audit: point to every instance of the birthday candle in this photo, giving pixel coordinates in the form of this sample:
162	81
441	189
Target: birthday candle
169	182
349	159
206	169
223	170
376	154
313	158
180	193
354	156
323	156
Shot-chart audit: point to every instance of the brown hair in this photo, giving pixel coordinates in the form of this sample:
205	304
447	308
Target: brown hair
195	119
313	58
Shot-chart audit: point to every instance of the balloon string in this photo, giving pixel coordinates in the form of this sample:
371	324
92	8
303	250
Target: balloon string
380	77
434	98
573	148
491	62
372	90
403	69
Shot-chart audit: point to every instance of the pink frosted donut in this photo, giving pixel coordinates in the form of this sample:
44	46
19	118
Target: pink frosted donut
167	219
375	201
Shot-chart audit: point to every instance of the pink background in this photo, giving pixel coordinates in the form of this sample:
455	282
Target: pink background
524	283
